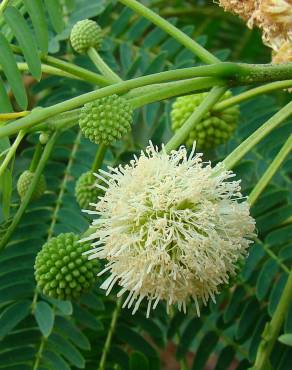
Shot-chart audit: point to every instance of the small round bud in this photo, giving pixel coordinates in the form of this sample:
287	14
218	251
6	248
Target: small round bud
214	129
106	120
86	191
85	34
44	138
25	180
62	271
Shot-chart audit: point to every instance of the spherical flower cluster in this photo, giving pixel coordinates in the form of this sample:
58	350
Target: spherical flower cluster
244	9
86	191
170	227
106	120
24	182
61	269
273	17
215	128
85	34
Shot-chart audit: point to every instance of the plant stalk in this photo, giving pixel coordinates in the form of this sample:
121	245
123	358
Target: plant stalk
171	89
103	68
70	68
36	157
272	329
13	115
11	152
141	97
96	165
270	172
231	160
110	333
43	160
177	34
242	73
251	94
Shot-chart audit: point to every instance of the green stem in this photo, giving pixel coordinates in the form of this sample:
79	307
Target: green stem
171	89
36	157
3	6
272	329
44	158
252	93
11	152
271	170
103	68
181	135
23	67
178	35
70	68
231	160
60	122
63	185
80	72
138	98
110	333
242	73
39	354
269	251
99	157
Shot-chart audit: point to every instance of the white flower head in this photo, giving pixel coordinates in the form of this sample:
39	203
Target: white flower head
170	227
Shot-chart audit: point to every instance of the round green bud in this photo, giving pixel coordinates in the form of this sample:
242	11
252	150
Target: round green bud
106	120
86	190
44	138
25	180
85	34
62	271
214	129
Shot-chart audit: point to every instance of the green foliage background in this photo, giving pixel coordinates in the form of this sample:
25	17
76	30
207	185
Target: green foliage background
41	333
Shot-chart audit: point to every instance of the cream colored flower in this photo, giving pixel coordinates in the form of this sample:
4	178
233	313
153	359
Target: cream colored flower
243	8
273	17
170	227
284	54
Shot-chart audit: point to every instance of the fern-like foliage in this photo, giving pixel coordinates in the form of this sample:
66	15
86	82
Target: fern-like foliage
42	333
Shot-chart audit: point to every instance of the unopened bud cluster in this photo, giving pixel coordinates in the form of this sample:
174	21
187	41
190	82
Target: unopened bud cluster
24	182
61	269
85	34
106	120
86	191
215	128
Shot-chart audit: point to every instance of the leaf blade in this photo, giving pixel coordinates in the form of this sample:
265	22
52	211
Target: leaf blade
8	63
25	39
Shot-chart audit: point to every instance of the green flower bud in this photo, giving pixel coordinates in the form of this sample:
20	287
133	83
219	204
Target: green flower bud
106	120
44	138
61	269
214	129
25	180
86	191
85	34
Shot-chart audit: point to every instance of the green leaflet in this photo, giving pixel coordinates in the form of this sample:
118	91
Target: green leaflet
25	39
55	14
138	361
63	346
8	63
286	339
55	360
36	12
6	191
5	105
12	315
206	347
44	315
71	331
